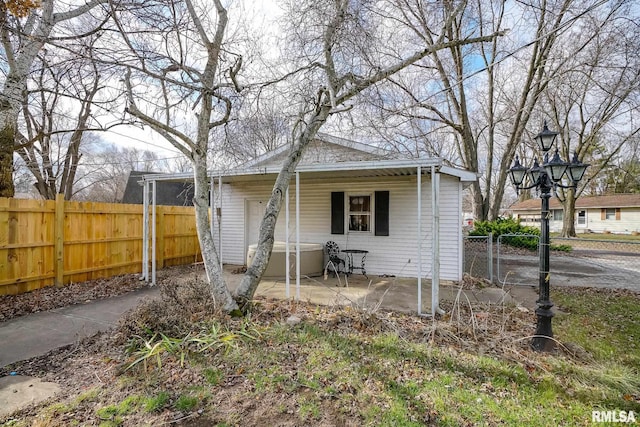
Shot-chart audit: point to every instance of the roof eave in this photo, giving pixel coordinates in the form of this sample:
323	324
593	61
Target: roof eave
463	175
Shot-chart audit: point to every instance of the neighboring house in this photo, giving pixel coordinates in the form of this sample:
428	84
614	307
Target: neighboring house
168	193
355	195
617	213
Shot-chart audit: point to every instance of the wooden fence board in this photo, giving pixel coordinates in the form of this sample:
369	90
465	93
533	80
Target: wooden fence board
43	242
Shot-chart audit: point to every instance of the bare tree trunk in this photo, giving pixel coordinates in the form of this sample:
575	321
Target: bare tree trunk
219	290
21	45
568	217
244	293
330	100
6	161
10	99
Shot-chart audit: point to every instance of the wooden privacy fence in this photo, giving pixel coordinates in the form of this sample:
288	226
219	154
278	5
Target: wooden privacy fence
47	242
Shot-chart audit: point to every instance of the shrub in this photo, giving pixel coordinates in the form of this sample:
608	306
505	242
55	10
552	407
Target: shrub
501	226
180	306
523	239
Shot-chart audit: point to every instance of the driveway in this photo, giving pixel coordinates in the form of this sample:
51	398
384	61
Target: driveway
587	268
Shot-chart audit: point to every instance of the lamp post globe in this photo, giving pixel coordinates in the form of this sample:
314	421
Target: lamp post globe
546	138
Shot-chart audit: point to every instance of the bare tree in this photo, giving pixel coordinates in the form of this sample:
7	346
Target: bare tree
344	47
487	94
25	27
106	167
259	128
179	61
338	50
59	109
594	98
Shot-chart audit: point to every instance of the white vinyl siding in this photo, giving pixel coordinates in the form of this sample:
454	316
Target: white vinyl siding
629	220
395	254
592	220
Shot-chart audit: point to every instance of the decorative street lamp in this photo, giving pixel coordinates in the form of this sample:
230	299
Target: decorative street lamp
545	178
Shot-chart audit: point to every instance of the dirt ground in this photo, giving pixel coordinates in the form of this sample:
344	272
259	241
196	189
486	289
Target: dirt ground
97	361
12	306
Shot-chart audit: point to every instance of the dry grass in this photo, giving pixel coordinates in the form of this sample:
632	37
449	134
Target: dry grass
345	365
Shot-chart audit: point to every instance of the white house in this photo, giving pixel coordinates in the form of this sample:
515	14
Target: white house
616	213
404	212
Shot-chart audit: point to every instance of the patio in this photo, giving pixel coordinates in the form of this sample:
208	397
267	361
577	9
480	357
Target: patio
389	293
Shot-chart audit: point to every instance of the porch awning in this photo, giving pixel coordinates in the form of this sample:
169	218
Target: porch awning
357	169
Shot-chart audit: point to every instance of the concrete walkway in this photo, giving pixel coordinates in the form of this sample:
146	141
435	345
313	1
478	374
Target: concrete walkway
38	333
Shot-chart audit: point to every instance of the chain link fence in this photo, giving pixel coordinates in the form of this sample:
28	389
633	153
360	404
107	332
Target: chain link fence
589	263
478	256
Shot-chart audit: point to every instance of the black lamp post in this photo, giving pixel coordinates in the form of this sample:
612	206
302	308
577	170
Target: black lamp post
544	179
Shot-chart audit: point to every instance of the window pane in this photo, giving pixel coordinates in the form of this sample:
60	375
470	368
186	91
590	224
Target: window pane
611	214
557	214
582	217
359	203
359	222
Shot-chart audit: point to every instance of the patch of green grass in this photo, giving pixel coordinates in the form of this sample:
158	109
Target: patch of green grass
611	236
111	415
213	376
156	403
60	408
115	422
186	402
271	378
87	396
211	338
606	323
386	373
309	409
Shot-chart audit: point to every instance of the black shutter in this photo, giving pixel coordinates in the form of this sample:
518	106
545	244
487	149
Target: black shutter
382	213
337	212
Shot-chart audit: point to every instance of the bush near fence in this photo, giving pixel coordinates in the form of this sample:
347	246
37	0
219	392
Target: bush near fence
514	234
55	242
519	236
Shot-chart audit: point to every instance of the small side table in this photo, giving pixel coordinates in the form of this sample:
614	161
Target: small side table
360	253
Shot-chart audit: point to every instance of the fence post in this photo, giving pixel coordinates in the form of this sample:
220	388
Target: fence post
59	240
490	256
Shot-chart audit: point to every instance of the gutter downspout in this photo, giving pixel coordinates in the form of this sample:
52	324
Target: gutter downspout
212	209
298	236
219	218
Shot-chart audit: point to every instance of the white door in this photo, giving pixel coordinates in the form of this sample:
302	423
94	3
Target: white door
255	213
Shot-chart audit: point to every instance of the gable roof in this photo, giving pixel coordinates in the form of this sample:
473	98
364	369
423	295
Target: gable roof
323	149
585	202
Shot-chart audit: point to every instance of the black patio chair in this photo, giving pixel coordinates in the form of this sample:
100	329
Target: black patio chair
334	260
